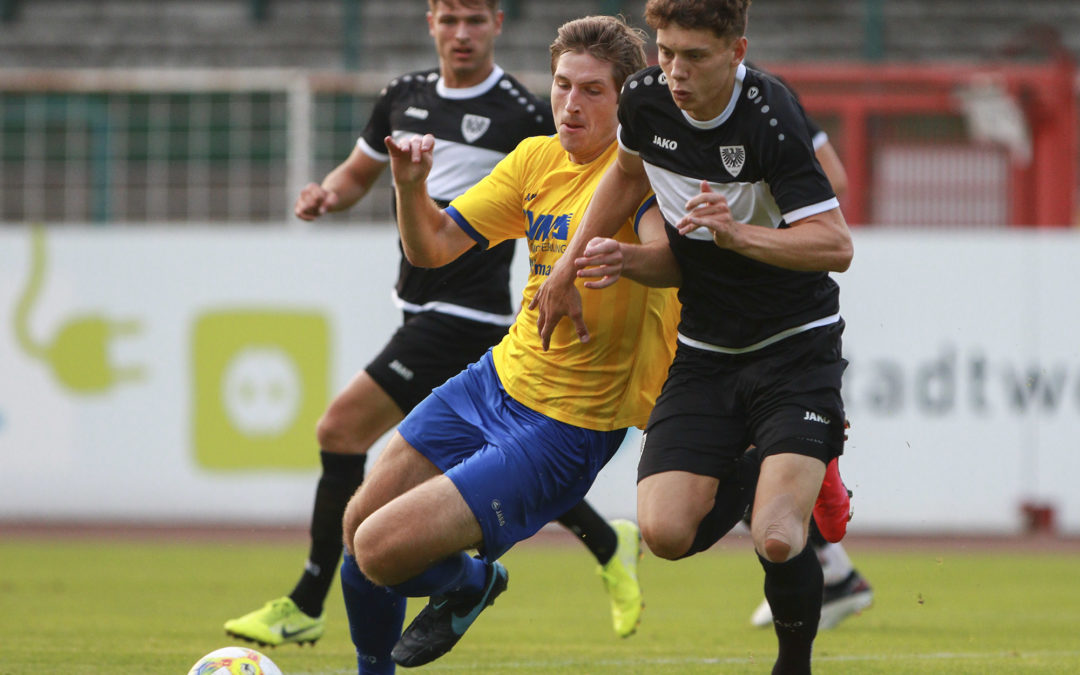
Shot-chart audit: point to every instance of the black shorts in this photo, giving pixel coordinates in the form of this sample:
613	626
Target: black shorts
428	349
784	398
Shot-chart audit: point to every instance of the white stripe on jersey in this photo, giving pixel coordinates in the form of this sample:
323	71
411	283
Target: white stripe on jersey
454	310
377	155
772	339
751	203
455	167
812	210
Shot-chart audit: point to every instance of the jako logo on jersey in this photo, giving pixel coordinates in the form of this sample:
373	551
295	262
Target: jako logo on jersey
547	226
399	368
814	417
417	113
665	143
474	126
733	157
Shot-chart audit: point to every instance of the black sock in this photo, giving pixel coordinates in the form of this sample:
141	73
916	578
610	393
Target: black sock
793	589
341	476
593	531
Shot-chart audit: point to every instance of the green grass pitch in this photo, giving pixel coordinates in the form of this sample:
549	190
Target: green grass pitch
137	606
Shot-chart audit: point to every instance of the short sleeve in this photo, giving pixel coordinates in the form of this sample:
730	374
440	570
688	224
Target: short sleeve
378	126
796	180
491	211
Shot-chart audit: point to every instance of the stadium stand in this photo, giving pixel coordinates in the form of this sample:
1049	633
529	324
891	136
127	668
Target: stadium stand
195	110
380	35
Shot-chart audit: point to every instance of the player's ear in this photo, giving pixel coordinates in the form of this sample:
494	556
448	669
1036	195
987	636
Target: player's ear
431	24
499	16
740	45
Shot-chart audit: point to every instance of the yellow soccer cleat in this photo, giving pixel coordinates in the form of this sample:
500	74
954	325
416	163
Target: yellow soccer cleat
276	623
620	579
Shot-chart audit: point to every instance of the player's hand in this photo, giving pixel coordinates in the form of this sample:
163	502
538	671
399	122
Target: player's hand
410	158
557	298
602	262
314	201
710	210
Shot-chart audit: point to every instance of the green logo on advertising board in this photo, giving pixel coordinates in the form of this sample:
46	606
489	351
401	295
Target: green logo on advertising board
261	383
78	354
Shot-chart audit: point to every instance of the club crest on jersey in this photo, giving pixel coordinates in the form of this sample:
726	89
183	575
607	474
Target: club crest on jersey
733	157
474	126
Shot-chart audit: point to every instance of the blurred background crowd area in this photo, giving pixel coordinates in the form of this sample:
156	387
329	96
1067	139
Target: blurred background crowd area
947	113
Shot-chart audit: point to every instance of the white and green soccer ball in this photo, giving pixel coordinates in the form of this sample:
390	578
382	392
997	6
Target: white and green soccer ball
234	661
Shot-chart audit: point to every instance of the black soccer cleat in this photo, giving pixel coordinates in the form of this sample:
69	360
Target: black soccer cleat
439	626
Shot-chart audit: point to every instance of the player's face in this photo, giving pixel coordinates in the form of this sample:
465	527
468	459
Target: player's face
700	68
584	102
465	39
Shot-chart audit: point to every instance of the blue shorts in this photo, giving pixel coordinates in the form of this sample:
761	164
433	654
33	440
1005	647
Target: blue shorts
516	468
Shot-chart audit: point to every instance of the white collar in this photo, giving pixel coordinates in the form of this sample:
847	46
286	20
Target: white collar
473	91
740	74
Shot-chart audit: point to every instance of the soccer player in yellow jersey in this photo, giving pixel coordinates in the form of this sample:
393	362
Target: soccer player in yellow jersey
517	438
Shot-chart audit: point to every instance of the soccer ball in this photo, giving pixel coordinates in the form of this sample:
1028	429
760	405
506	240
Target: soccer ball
234	661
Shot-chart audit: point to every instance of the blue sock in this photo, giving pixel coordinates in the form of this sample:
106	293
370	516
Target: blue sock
376	615
458	574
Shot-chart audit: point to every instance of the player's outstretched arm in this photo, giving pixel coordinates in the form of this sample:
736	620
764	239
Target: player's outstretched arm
347	184
429	237
650	263
620	191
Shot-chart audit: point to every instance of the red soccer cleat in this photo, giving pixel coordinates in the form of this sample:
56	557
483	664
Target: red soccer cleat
832	510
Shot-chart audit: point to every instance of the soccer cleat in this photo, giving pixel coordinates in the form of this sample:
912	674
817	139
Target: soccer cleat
842	599
839	601
762	616
276	623
439	625
832	510
620	579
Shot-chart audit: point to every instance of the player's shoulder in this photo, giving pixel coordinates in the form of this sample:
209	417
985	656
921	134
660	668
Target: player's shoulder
512	100
417	79
513	87
647	82
762	88
536	153
541	146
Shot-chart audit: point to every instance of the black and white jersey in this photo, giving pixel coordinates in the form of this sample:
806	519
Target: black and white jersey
474	128
817	134
757	153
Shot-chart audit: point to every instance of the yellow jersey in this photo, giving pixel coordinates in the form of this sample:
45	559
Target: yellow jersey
612	381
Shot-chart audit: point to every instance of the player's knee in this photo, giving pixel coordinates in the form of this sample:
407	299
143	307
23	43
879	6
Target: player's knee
372	558
331	432
350	523
666	540
777	530
775	550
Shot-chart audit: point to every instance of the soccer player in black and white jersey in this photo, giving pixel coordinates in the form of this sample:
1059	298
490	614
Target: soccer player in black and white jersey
755	228
452	316
846	591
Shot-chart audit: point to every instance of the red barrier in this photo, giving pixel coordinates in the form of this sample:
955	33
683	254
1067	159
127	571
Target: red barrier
875	113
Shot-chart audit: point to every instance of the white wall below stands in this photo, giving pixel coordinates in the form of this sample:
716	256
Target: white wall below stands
964	384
